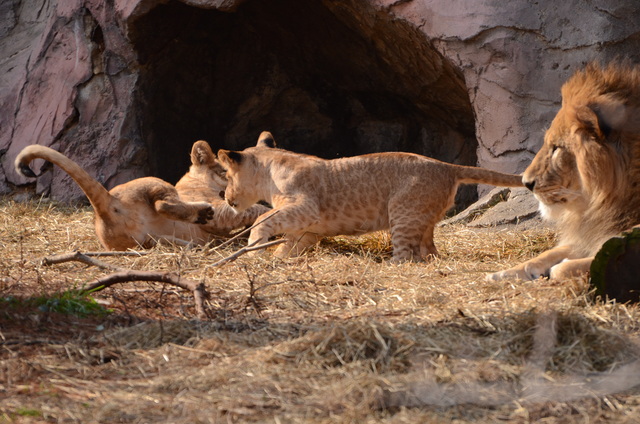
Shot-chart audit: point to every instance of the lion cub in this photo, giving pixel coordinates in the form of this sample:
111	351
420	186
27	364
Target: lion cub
314	197
136	213
205	182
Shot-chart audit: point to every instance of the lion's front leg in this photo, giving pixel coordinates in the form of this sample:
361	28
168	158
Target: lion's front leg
296	244
571	268
535	268
288	220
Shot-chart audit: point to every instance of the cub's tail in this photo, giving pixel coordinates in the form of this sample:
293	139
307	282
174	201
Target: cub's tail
95	192
475	175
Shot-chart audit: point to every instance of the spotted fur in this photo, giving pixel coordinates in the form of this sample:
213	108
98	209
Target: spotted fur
314	197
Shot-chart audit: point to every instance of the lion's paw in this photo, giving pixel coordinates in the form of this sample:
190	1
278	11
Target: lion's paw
205	215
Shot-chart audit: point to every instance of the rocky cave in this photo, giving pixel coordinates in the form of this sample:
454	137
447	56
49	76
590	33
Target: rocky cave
144	79
329	78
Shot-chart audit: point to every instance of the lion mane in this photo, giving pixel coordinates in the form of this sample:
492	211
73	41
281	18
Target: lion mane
586	175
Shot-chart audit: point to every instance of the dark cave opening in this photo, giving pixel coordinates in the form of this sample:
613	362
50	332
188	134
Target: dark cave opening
326	77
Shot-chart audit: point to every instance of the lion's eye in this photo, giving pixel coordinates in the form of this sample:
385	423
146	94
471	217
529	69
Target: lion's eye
555	149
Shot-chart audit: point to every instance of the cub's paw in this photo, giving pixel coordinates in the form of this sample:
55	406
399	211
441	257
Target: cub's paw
205	215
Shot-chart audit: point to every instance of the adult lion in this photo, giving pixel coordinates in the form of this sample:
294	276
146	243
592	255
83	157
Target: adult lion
586	176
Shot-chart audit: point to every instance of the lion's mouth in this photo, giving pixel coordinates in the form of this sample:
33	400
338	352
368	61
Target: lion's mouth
551	200
555	194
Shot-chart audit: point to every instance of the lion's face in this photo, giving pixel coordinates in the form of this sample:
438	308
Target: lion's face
243	183
205	165
241	192
554	175
215	175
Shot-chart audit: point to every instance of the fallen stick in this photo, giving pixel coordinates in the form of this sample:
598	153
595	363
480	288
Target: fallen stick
79	257
198	289
118	253
108	253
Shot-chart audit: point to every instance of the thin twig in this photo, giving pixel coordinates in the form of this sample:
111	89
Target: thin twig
246	230
118	253
249	248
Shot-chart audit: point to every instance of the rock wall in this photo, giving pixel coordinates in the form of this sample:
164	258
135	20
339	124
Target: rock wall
515	56
124	87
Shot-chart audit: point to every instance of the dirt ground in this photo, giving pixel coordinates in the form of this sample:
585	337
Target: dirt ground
339	335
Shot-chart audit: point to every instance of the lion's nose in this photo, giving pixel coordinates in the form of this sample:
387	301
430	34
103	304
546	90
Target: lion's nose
529	184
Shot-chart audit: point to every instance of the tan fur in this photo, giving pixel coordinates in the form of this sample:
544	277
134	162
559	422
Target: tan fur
314	197
205	182
133	214
586	176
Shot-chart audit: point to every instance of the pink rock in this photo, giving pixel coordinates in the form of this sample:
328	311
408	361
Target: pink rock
125	87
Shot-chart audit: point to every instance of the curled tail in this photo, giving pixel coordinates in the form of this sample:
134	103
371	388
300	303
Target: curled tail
473	175
95	192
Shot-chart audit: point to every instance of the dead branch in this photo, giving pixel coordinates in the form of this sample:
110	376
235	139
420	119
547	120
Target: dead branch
113	253
80	257
119	253
198	289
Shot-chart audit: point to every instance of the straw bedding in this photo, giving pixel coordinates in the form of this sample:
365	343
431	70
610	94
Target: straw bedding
338	335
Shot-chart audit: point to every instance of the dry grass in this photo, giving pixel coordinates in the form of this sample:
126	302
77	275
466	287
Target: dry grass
338	335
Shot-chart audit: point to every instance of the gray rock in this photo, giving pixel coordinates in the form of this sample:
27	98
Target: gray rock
501	207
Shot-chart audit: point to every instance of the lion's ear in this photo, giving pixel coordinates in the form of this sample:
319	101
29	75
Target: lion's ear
603	116
230	158
266	140
201	154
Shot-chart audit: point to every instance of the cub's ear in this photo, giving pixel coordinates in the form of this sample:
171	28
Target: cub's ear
266	140
230	158
201	154
602	117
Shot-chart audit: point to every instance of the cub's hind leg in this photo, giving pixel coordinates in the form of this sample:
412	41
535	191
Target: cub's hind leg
163	199
427	247
412	223
167	202
411	237
177	210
